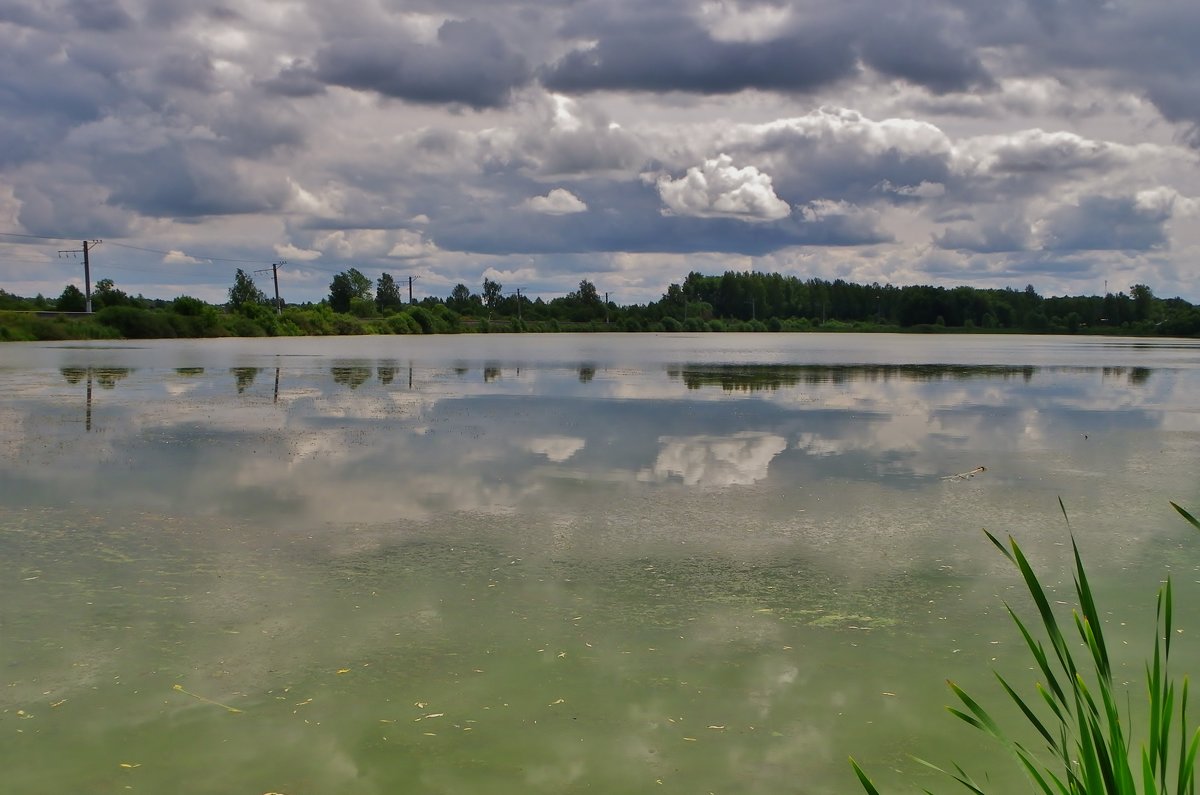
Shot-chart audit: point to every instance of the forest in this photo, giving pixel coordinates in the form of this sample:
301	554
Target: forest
732	301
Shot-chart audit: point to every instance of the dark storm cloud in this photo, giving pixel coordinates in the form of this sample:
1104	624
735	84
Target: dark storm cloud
1146	47
100	15
912	47
193	71
22	14
664	48
1011	234
178	181
1119	223
295	80
469	64
675	54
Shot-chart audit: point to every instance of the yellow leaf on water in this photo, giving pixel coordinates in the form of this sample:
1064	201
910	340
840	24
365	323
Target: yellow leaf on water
435	715
130	766
343	670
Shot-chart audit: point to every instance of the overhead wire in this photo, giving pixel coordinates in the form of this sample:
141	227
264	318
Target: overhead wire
193	256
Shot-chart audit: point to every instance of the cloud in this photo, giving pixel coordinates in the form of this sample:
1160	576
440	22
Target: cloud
468	64
288	251
720	189
179	258
411	244
728	21
1127	223
929	141
556	448
740	459
914	45
631	47
558	201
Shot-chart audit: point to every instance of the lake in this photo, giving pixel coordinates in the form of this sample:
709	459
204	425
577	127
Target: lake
562	563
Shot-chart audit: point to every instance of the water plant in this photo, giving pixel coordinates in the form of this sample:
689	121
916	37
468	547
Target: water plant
1077	713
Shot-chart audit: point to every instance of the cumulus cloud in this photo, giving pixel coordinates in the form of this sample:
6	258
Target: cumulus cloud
411	244
721	189
556	448
558	201
740	459
179	258
289	251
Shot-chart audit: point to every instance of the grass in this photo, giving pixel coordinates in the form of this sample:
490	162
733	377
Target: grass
1076	712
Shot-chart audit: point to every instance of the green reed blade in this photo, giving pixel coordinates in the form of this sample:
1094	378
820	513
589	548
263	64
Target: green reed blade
863	779
1030	715
1193	520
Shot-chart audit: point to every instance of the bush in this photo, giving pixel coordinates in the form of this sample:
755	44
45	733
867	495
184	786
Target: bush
402	323
423	319
138	324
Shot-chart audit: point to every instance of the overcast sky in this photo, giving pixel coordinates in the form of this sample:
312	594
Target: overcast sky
986	142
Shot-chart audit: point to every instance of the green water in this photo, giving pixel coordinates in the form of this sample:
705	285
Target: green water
498	564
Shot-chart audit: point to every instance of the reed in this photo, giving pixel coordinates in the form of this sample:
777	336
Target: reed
1076	711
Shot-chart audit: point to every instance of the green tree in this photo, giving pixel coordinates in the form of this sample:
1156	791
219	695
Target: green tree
387	293
71	300
587	294
347	286
460	297
243	294
1143	301
107	294
491	293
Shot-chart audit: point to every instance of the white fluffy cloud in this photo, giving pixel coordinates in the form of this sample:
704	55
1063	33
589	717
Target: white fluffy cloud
719	188
556	448
736	460
559	201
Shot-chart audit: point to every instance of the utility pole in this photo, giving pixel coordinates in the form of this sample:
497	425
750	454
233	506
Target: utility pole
87	269
518	304
278	304
275	266
411	279
606	307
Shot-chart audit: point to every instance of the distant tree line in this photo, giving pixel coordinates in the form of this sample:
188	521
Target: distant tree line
733	301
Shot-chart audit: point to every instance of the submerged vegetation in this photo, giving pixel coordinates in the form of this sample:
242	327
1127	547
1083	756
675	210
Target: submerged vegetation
744	301
1078	711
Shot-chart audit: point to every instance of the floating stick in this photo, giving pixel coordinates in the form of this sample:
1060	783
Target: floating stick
205	700
965	475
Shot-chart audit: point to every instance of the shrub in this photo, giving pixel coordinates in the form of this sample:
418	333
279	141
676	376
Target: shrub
134	323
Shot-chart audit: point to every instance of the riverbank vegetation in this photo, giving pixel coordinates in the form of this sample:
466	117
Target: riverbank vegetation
1078	711
758	302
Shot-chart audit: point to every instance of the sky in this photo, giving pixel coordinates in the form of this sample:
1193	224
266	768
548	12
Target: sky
995	143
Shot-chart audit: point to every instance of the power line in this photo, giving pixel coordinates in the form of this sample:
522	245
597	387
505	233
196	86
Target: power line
34	237
193	256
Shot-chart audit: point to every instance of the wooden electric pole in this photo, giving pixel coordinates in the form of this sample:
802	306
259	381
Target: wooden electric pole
87	270
278	304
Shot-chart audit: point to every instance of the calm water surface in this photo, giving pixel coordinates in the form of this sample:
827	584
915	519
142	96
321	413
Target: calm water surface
555	564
